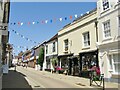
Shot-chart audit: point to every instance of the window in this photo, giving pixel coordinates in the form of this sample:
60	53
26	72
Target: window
105	4
107	32
119	22
46	49
115	62
53	47
66	44
86	38
110	60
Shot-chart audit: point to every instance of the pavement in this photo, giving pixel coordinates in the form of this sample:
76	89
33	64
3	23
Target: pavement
18	80
14	80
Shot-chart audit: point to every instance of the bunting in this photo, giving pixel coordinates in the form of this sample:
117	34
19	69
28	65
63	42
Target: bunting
45	21
22	36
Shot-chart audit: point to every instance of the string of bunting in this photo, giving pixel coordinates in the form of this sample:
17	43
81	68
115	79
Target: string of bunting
45	21
23	36
22	47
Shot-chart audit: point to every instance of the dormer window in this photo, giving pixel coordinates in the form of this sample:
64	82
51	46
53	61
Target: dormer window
105	4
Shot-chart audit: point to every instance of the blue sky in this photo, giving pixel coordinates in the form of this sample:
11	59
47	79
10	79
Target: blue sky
37	12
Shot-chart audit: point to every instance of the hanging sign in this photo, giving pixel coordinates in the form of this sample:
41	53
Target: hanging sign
3	26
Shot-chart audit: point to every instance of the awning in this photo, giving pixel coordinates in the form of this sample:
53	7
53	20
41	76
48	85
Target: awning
90	51
66	55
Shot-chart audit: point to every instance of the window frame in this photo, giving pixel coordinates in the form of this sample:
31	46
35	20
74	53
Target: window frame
106	30
66	46
86	39
113	64
53	47
46	49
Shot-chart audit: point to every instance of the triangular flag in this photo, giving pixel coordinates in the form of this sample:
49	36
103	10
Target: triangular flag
37	22
33	22
51	21
70	17
17	33
87	12
28	39
28	23
42	21
21	24
14	23
65	18
60	19
76	15
46	21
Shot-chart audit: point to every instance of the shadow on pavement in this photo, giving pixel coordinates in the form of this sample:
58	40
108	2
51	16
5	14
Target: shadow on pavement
15	80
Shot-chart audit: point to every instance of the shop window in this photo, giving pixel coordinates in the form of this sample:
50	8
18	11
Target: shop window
115	62
110	60
116	59
88	61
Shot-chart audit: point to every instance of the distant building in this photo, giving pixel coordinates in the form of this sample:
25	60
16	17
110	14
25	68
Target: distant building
109	38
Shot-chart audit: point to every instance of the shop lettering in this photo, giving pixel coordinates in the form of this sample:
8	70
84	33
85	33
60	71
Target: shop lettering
3	27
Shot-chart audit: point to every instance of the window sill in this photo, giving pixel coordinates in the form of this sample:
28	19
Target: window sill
65	51
87	47
104	11
107	39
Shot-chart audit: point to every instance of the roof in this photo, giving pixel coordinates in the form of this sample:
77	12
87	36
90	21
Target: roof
53	38
79	18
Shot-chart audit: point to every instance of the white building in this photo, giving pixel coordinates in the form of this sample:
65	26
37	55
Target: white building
109	36
50	54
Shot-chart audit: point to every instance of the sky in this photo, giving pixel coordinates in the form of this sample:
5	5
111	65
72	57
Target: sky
39	12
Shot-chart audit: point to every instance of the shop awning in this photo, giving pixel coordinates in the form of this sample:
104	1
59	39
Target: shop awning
66	55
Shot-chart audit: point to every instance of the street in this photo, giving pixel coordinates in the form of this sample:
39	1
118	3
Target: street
40	79
34	79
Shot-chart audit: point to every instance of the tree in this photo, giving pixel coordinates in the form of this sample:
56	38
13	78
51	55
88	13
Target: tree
41	58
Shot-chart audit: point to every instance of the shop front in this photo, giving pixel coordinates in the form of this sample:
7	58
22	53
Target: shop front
64	61
73	66
87	60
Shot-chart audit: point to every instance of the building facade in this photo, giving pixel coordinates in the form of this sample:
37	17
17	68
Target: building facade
109	36
4	19
77	49
51	53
